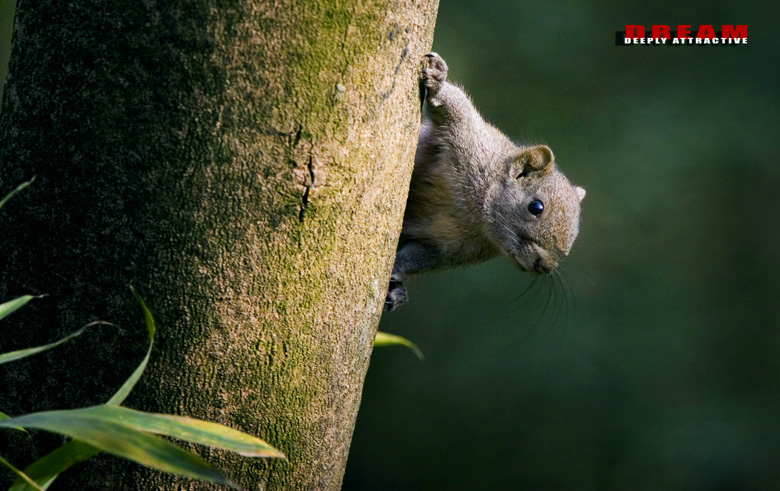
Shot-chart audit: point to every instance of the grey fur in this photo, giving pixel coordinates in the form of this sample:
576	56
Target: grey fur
470	192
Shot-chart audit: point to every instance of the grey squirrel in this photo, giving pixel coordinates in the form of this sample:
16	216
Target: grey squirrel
475	194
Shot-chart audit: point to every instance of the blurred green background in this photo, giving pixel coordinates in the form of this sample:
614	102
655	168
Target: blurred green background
6	24
655	362
659	368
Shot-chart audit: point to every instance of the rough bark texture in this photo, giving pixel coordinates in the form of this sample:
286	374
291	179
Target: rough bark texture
245	165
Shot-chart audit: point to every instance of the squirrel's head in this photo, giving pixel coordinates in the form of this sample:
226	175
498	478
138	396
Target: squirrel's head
535	211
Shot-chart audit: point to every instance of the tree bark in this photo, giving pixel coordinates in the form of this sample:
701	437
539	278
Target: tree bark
245	165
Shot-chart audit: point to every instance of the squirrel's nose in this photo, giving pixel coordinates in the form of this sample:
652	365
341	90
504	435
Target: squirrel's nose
540	267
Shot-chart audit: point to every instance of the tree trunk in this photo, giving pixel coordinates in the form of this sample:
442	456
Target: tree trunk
245	165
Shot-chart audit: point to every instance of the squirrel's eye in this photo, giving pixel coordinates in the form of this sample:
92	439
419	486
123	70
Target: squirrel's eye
536	207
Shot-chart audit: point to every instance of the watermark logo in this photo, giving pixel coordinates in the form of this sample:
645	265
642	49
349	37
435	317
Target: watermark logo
684	35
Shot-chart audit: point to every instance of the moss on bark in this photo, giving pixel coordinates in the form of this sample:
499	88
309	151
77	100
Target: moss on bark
243	164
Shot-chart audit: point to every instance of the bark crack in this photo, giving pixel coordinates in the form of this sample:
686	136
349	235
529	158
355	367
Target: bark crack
308	188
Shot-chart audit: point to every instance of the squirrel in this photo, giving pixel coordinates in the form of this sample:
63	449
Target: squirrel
475	194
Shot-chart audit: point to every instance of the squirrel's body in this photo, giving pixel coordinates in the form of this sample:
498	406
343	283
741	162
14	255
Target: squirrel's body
475	194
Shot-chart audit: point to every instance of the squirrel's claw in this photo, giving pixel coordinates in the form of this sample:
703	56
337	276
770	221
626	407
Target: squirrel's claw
435	75
396	295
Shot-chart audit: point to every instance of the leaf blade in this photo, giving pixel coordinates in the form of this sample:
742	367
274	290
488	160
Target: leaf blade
24	353
386	339
122	441
121	394
189	429
12	193
21	475
11	306
46	469
5	416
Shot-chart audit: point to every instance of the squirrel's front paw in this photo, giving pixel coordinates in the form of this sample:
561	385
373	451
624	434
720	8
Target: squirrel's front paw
396	295
434	76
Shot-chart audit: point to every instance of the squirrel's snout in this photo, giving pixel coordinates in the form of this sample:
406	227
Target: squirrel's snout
541	267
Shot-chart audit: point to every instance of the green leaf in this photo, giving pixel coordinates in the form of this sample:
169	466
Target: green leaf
189	429
124	391
9	307
46	469
5	416
385	339
122	441
17	355
24	477
18	188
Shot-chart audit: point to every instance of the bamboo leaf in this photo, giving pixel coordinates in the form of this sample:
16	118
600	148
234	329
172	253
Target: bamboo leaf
189	429
122	441
46	469
385	339
12	305
24	477
124	391
12	193
17	355
5	416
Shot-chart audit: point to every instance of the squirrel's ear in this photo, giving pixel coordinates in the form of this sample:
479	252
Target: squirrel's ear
580	192
535	159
